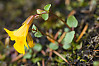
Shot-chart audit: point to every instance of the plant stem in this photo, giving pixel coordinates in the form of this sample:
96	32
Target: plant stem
43	63
61	57
47	35
61	20
55	16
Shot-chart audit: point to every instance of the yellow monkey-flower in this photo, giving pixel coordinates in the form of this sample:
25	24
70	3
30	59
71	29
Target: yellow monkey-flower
20	35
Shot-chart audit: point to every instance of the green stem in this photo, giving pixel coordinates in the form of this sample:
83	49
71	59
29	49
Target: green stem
47	35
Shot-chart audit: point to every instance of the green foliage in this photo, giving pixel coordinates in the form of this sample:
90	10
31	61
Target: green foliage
47	7
79	46
60	59
37	33
45	16
14	9
39	11
34	27
96	63
66	46
30	50
27	56
66	29
34	60
72	22
53	46
37	47
69	37
82	60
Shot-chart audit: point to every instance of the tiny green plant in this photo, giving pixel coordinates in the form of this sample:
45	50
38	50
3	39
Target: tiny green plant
22	32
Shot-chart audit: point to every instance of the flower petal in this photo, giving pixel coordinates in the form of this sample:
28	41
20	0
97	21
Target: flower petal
19	48
10	33
30	40
22	31
20	35
29	20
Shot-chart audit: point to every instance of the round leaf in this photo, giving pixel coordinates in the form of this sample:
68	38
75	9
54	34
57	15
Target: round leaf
66	46
69	37
53	46
37	47
72	22
45	16
38	34
34	60
79	46
47	7
27	56
66	29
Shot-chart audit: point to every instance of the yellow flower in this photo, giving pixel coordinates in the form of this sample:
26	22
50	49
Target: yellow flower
30	40
20	35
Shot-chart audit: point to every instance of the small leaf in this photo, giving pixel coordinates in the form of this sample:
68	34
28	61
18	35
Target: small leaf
30	50
72	22
47	7
66	46
69	37
45	16
53	46
39	11
38	34
66	29
79	46
27	56
34	27
34	60
37	47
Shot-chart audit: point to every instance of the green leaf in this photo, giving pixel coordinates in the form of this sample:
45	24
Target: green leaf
66	29
34	60
30	50
66	46
27	56
79	46
47	7
72	22
69	37
38	34
45	16
96	63
53	46
34	27
37	47
39	11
